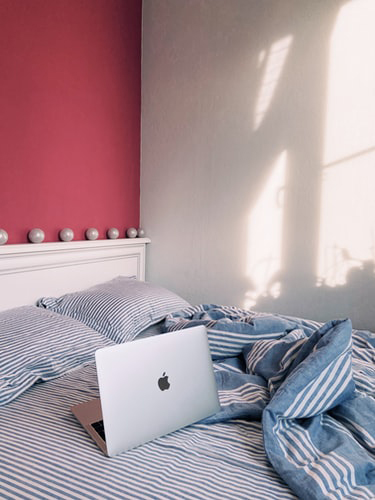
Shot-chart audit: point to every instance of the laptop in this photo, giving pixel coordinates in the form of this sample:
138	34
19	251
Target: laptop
148	388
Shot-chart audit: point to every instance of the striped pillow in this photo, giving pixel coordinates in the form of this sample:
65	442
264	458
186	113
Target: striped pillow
39	345
120	309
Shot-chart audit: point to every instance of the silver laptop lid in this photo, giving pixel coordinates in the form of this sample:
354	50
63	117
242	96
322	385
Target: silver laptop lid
154	386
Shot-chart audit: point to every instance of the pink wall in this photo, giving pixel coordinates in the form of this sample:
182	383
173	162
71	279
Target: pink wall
70	91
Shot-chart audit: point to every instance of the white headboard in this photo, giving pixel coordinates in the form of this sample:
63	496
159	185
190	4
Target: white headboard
30	271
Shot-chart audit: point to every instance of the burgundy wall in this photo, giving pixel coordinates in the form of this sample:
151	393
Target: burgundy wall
70	91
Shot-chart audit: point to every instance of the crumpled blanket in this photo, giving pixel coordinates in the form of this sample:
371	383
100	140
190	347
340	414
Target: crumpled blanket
311	385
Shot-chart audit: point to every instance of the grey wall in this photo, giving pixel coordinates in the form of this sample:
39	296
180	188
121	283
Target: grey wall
210	143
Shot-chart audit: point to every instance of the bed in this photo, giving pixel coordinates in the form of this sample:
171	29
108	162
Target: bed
270	440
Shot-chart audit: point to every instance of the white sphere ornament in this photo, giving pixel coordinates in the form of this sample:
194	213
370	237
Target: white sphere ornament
36	235
3	236
113	233
141	233
131	232
66	234
92	233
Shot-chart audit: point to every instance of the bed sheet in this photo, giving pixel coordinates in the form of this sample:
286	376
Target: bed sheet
46	454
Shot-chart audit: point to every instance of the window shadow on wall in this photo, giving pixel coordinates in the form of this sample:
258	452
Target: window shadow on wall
311	229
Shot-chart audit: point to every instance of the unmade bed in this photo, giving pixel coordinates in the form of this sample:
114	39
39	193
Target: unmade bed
297	409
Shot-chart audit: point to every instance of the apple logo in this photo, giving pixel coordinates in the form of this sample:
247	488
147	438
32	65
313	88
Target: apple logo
163	382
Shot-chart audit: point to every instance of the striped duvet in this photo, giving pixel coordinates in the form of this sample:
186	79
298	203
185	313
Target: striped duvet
311	385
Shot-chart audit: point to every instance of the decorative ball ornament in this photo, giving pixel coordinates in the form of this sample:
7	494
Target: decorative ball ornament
36	235
3	236
92	233
141	233
131	232
66	234
113	233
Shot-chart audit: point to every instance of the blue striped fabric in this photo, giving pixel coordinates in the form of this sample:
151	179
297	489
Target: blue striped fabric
298	395
46	454
119	309
38	345
229	328
313	387
326	452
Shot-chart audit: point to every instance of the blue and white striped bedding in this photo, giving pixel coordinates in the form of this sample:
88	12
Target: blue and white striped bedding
39	345
311	385
293	393
119	309
46	454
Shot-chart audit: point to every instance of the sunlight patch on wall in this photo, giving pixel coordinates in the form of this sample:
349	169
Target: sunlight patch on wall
273	63
265	236
347	230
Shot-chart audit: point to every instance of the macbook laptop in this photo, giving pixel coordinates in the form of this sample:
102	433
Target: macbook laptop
148	388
